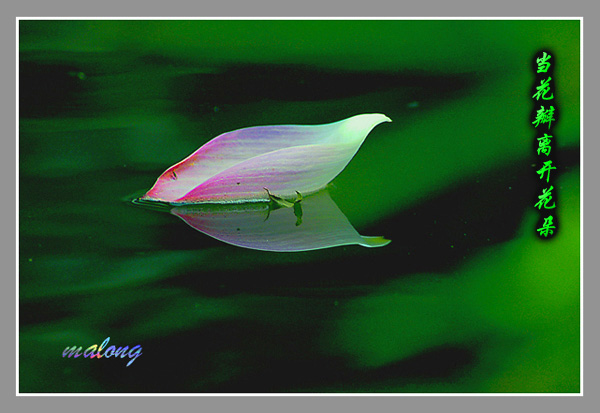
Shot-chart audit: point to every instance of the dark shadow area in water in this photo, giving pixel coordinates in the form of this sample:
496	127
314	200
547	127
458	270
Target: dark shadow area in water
65	83
206	92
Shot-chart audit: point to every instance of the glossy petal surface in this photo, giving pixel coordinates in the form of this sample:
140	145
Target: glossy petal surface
238	165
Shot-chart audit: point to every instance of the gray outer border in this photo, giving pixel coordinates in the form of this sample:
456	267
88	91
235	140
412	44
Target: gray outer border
300	9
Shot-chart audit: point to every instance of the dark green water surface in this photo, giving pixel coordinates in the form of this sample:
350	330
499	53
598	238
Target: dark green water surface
466	298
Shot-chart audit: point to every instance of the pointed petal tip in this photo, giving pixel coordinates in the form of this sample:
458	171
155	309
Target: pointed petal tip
364	124
373	242
375	118
381	117
384	118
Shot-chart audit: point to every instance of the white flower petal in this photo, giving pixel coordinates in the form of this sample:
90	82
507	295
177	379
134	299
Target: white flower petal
237	166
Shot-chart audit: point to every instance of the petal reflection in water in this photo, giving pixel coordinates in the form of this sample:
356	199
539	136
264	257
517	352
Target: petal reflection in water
259	226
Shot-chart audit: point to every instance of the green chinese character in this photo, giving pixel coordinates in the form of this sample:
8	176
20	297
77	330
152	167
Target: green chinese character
547	227
542	89
543	64
544	116
545	198
546	168
544	144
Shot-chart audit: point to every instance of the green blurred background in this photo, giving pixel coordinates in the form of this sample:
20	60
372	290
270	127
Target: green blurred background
466	298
